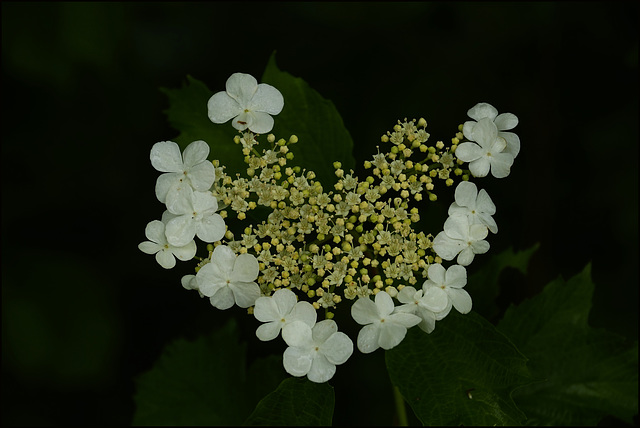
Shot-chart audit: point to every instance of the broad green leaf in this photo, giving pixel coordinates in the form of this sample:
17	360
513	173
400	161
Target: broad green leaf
588	373
204	382
322	137
462	373
296	402
483	285
187	113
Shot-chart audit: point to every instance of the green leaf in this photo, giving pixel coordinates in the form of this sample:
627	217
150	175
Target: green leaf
462	373
484	286
187	113
322	137
204	382
296	402
587	373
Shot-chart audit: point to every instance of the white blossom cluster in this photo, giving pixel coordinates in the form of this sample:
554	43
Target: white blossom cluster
317	247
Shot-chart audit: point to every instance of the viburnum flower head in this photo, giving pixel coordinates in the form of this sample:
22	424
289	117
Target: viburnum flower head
461	239
229	279
477	206
316	351
280	309
165	252
504	122
429	304
248	103
488	153
451	281
383	327
195	214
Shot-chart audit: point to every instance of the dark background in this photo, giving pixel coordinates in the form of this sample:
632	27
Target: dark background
84	311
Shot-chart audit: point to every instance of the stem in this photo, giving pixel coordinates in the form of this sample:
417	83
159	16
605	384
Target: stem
401	410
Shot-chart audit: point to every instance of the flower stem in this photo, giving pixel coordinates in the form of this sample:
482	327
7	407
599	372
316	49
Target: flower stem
401	411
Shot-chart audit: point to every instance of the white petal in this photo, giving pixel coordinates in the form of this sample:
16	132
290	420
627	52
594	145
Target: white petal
437	274
284	300
323	330
195	153
149	247
223	298
180	230
221	108
466	194
428	323
211	228
246	268
337	348
267	99
155	232
210	280
435	299
391	334
297	334
261	123
506	121
482	110
296	361
465	257
321	369
460	299
204	202
364	311
404	319
457	227
468	152
242	87
484	203
485	132
384	303
186	252
407	295
501	165
245	293
165	157
305	312
513	143
456	276
180	198
269	331
480	247
223	258
164	183
446	247
266	309
165	259
368	338
467	129
202	176
189	282
243	120
480	167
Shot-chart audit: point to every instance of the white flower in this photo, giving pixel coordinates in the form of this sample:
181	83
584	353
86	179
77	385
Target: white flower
382	326
451	281
461	239
164	251
315	352
228	279
195	215
504	122
247	103
428	304
279	310
183	173
488	154
477	206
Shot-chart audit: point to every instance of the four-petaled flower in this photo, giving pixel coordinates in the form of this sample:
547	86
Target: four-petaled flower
451	281
279	310
183	173
316	351
248	103
165	252
461	239
383	327
504	122
477	206
488	153
229	279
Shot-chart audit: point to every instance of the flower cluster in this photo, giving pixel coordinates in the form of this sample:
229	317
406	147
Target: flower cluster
359	241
